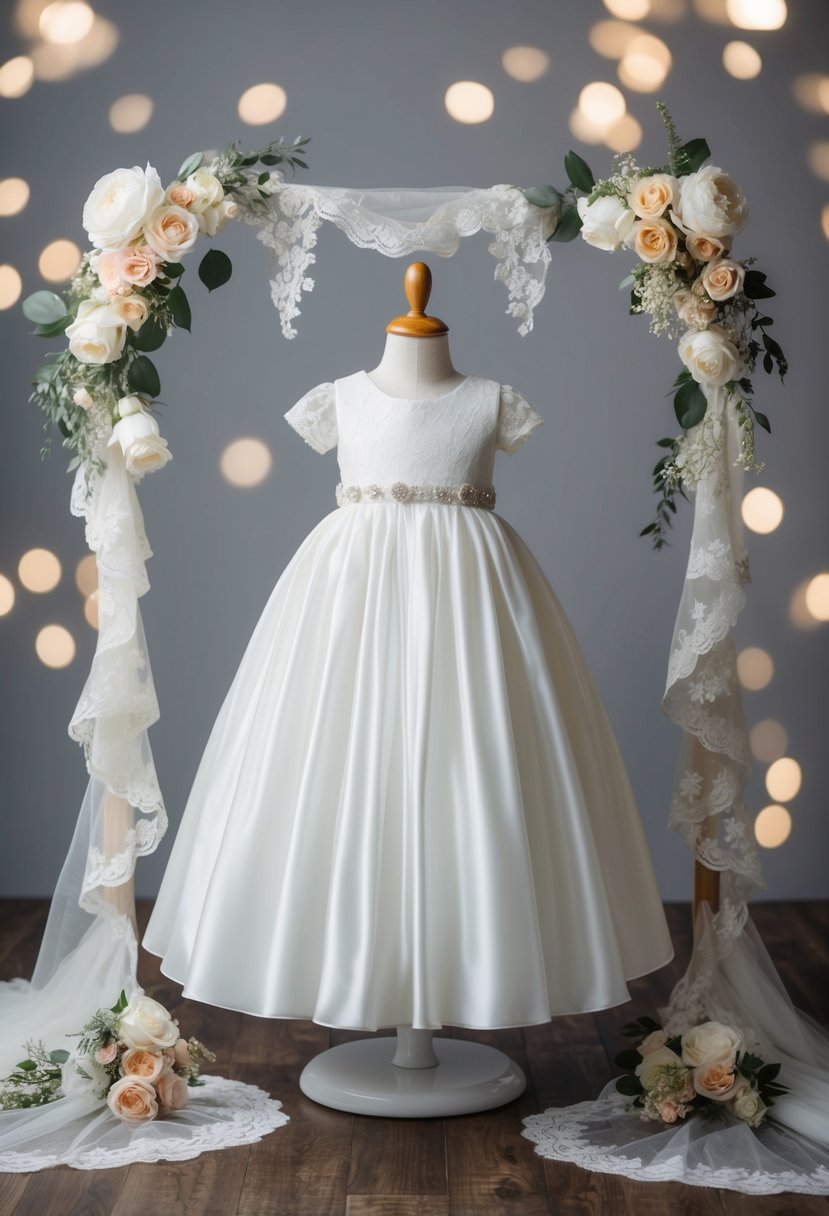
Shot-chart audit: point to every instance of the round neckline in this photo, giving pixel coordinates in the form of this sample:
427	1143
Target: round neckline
415	400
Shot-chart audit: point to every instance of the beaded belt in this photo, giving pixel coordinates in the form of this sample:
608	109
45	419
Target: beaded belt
466	495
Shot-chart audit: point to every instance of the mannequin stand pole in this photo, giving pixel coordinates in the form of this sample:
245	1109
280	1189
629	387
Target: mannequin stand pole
412	1076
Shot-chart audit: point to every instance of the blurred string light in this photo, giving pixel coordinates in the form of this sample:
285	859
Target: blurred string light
755	668
624	135
824	220
757	14
525	63
59	261
783	779
645	64
16	76
799	613
86	574
715	11
817	596
668	10
601	103
817	156
612	38
628	10
762	510
130	113
741	60
55	646
468	101
773	826
39	570
90	609
262	103
14	195
246	462
768	740
65	21
6	595
11	286
66	36
811	92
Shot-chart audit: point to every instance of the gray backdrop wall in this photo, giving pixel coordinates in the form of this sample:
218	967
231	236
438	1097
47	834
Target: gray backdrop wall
366	80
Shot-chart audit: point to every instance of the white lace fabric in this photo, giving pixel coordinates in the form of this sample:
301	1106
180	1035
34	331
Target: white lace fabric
399	222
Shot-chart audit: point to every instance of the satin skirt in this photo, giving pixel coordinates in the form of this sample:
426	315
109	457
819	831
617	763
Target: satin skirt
411	809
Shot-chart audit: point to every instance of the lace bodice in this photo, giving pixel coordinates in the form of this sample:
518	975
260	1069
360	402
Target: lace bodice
446	440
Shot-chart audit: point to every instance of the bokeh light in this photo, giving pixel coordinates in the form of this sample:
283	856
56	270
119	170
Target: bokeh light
817	597
762	510
525	63
772	826
818	158
754	668
469	102
130	113
90	609
59	261
628	10
612	38
824	220
624	135
783	779
262	103
39	570
16	76
66	21
757	14
768	740
14	195
811	93
585	130
6	595
645	64
245	462
741	60
668	10
601	103
799	613
11	285
55	646
86	575
715	11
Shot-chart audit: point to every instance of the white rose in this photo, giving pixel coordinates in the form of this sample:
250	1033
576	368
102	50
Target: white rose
132	309
172	232
98	333
145	1023
133	404
711	358
606	222
747	1105
651	196
144	452
710	1042
119	206
206	190
648	1070
723	278
711	203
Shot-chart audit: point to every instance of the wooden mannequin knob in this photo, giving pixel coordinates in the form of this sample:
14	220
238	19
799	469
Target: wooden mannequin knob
415	324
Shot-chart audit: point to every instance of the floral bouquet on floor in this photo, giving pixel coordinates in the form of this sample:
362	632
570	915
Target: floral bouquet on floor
131	1056
702	1072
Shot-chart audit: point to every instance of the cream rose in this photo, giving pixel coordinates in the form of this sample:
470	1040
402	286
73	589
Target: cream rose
747	1105
180	195
120	205
655	1040
711	358
144	1022
650	197
83	398
654	240
206	190
669	1111
172	232
723	278
171	1090
138	1062
693	309
106	1054
716	1081
132	404
182	1055
704	248
648	1070
98	333
710	1042
133	1100
213	219
711	203
606	222
132	310
144	452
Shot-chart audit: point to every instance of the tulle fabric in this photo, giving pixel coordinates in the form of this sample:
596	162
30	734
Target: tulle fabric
411	808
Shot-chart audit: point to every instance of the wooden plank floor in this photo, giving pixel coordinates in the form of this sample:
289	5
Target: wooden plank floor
324	1163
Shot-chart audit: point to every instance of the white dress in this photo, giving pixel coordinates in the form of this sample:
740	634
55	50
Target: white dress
411	809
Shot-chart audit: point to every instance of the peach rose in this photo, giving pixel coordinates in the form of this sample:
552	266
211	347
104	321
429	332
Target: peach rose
121	269
723	278
692	309
704	248
132	309
654	240
182	1055
133	1099
668	1111
715	1081
83	398
651	196
138	1062
655	1040
105	1055
172	232
171	1090
180	195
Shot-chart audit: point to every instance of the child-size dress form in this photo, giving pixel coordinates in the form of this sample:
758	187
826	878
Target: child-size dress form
411	809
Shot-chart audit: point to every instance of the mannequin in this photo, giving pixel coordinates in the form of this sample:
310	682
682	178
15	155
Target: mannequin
406	1077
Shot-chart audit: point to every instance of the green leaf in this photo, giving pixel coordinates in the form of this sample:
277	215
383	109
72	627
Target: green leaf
773	347
664	443
767	1073
629	1059
44	307
768	363
568	227
543	196
690	405
579	172
190	166
692	156
142	377
754	286
180	308
59	1057
52	330
626	282
150	336
629	1085
762	421
173	270
27	1066
215	269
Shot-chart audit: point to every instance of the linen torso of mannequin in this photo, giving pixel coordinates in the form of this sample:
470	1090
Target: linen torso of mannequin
416	368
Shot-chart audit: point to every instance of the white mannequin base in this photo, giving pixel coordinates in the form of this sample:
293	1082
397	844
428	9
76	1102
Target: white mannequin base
412	1076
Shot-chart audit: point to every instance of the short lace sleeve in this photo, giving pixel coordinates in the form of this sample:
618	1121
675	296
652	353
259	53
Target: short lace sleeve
516	420
314	417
